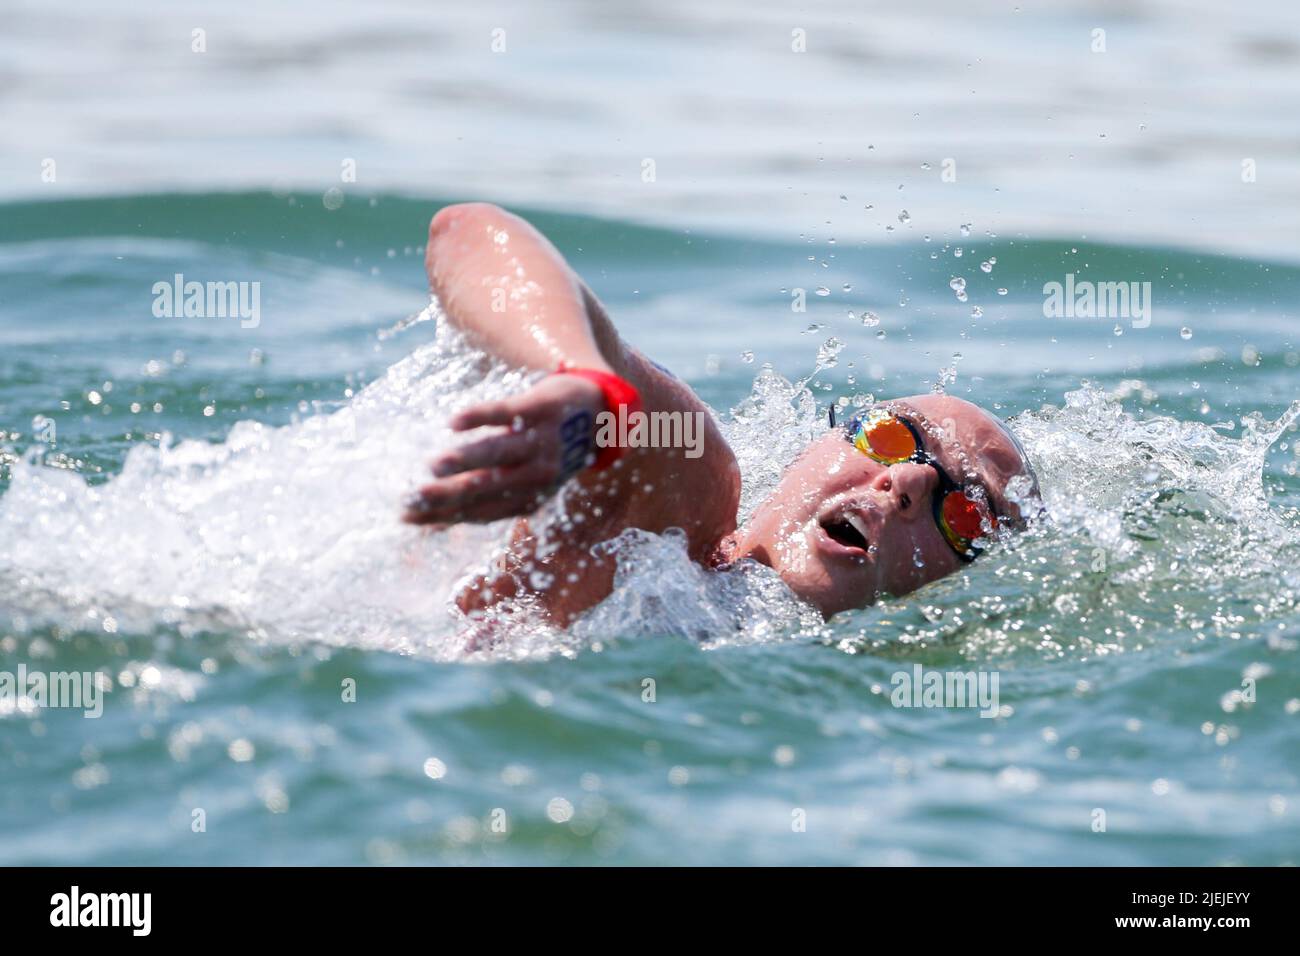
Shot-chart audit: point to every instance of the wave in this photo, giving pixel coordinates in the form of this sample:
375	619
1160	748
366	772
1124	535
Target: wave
290	534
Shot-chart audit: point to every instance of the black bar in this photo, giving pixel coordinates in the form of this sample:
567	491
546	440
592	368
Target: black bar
332	906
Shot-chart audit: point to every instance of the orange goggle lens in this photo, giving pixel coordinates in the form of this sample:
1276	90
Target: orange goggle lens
886	439
962	516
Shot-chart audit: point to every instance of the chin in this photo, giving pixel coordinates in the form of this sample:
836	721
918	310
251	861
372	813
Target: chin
828	595
820	572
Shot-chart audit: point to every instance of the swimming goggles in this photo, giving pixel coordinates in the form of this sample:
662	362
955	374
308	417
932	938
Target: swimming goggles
887	437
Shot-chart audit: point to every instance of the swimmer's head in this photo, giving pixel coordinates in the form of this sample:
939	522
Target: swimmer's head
842	528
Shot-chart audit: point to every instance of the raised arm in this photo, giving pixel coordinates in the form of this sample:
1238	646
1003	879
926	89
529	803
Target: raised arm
512	293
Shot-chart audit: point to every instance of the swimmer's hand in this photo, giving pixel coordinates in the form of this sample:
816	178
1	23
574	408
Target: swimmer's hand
548	437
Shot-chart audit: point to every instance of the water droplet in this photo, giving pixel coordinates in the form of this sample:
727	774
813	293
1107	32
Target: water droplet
917	560
957	283
747	356
1002	291
823	291
1185	332
846	287
870	319
1118	330
965	229
904	218
241	750
986	266
976	312
828	354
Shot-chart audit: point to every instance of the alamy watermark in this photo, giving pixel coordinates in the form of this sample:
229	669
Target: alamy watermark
930	688
1085	299
651	430
27	691
628	429
209	300
133	911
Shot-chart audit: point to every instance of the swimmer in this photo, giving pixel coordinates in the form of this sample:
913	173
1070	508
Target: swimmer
902	494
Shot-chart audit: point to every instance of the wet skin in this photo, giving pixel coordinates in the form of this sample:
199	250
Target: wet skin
840	528
796	530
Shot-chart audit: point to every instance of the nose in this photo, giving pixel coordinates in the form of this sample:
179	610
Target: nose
909	485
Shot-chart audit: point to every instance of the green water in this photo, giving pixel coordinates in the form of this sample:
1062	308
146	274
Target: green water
229	588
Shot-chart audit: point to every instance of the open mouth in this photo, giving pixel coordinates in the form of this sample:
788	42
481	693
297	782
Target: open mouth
847	530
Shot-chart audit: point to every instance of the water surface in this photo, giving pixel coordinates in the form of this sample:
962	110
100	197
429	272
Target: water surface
207	514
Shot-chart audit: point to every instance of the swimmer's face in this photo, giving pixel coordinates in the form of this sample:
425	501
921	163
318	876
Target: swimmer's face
833	498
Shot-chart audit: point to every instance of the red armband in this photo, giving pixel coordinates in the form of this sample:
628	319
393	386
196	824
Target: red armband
621	400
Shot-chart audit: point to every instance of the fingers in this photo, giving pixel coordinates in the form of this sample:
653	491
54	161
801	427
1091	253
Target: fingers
494	451
498	508
483	495
501	412
510	473
517	504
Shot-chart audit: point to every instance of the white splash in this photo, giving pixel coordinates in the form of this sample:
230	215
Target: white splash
292	533
289	532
